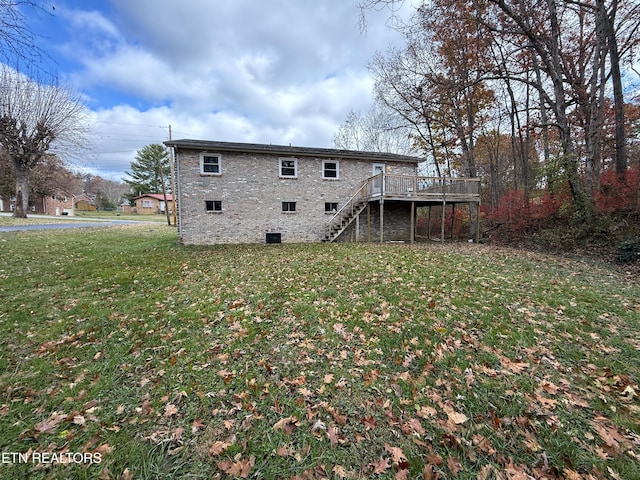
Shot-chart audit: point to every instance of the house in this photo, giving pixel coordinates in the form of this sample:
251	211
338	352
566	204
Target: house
152	203
254	193
85	203
59	203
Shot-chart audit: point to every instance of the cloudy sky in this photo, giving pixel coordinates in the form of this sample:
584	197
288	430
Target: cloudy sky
277	71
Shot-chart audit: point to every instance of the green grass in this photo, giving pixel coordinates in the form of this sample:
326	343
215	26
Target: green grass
312	361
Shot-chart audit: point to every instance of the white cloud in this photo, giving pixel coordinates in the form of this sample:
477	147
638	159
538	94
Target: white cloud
282	71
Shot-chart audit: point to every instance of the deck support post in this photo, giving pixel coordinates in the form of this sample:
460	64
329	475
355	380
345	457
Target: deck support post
412	228
442	220
453	218
358	228
381	220
478	222
368	221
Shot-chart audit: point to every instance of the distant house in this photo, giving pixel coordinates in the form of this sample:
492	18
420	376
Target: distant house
60	203
152	203
85	203
254	193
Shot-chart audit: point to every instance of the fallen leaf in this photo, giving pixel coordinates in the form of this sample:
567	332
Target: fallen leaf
50	424
339	471
369	422
396	452
126	475
218	447
241	468
197	424
426	412
457	417
288	425
177	434
402	474
285	451
454	465
170	409
381	466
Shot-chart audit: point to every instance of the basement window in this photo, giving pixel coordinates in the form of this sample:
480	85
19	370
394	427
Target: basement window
210	164
330	207
213	205
288	207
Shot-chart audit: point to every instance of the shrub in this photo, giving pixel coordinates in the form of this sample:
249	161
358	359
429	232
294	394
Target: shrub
616	193
628	251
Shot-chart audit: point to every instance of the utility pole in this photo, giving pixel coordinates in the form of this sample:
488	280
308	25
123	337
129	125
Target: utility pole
173	185
164	191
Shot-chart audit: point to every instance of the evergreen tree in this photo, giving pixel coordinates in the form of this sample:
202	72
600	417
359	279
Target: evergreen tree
145	175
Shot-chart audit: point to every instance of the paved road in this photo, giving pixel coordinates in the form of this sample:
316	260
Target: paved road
56	226
70	223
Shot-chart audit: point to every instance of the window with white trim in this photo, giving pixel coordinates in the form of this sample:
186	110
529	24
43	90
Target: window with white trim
147	204
288	168
330	169
210	164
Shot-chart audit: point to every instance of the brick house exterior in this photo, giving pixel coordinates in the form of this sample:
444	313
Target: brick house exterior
152	203
57	204
253	193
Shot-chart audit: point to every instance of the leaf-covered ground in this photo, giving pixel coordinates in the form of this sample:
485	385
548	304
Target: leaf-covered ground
312	361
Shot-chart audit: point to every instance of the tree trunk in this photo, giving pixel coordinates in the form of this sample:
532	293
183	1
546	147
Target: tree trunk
618	95
22	191
594	135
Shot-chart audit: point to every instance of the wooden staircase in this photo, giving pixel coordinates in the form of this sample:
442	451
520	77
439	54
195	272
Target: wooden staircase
347	214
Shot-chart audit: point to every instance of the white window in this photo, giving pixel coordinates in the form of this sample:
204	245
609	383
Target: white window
210	164
288	167
330	169
147	204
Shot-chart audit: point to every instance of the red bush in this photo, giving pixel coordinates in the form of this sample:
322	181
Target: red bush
516	215
616	193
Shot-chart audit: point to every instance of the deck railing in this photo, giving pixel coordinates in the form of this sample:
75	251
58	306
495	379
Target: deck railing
410	186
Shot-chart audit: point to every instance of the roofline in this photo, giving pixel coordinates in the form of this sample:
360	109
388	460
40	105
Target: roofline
155	195
235	147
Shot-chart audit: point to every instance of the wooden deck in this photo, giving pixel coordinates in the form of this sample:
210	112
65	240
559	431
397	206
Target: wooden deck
435	190
420	191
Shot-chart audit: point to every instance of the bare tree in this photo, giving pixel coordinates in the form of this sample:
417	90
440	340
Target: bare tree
378	130
17	41
36	119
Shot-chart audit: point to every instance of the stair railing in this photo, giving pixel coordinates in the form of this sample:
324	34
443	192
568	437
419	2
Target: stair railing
348	209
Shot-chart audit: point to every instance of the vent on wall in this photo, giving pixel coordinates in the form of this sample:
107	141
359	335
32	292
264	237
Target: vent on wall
274	238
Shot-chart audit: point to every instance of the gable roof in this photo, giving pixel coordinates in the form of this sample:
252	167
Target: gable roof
157	196
233	147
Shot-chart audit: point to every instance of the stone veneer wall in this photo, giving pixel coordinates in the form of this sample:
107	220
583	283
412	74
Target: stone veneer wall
252	193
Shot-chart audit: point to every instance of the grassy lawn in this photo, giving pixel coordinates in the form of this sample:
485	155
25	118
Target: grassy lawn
312	361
